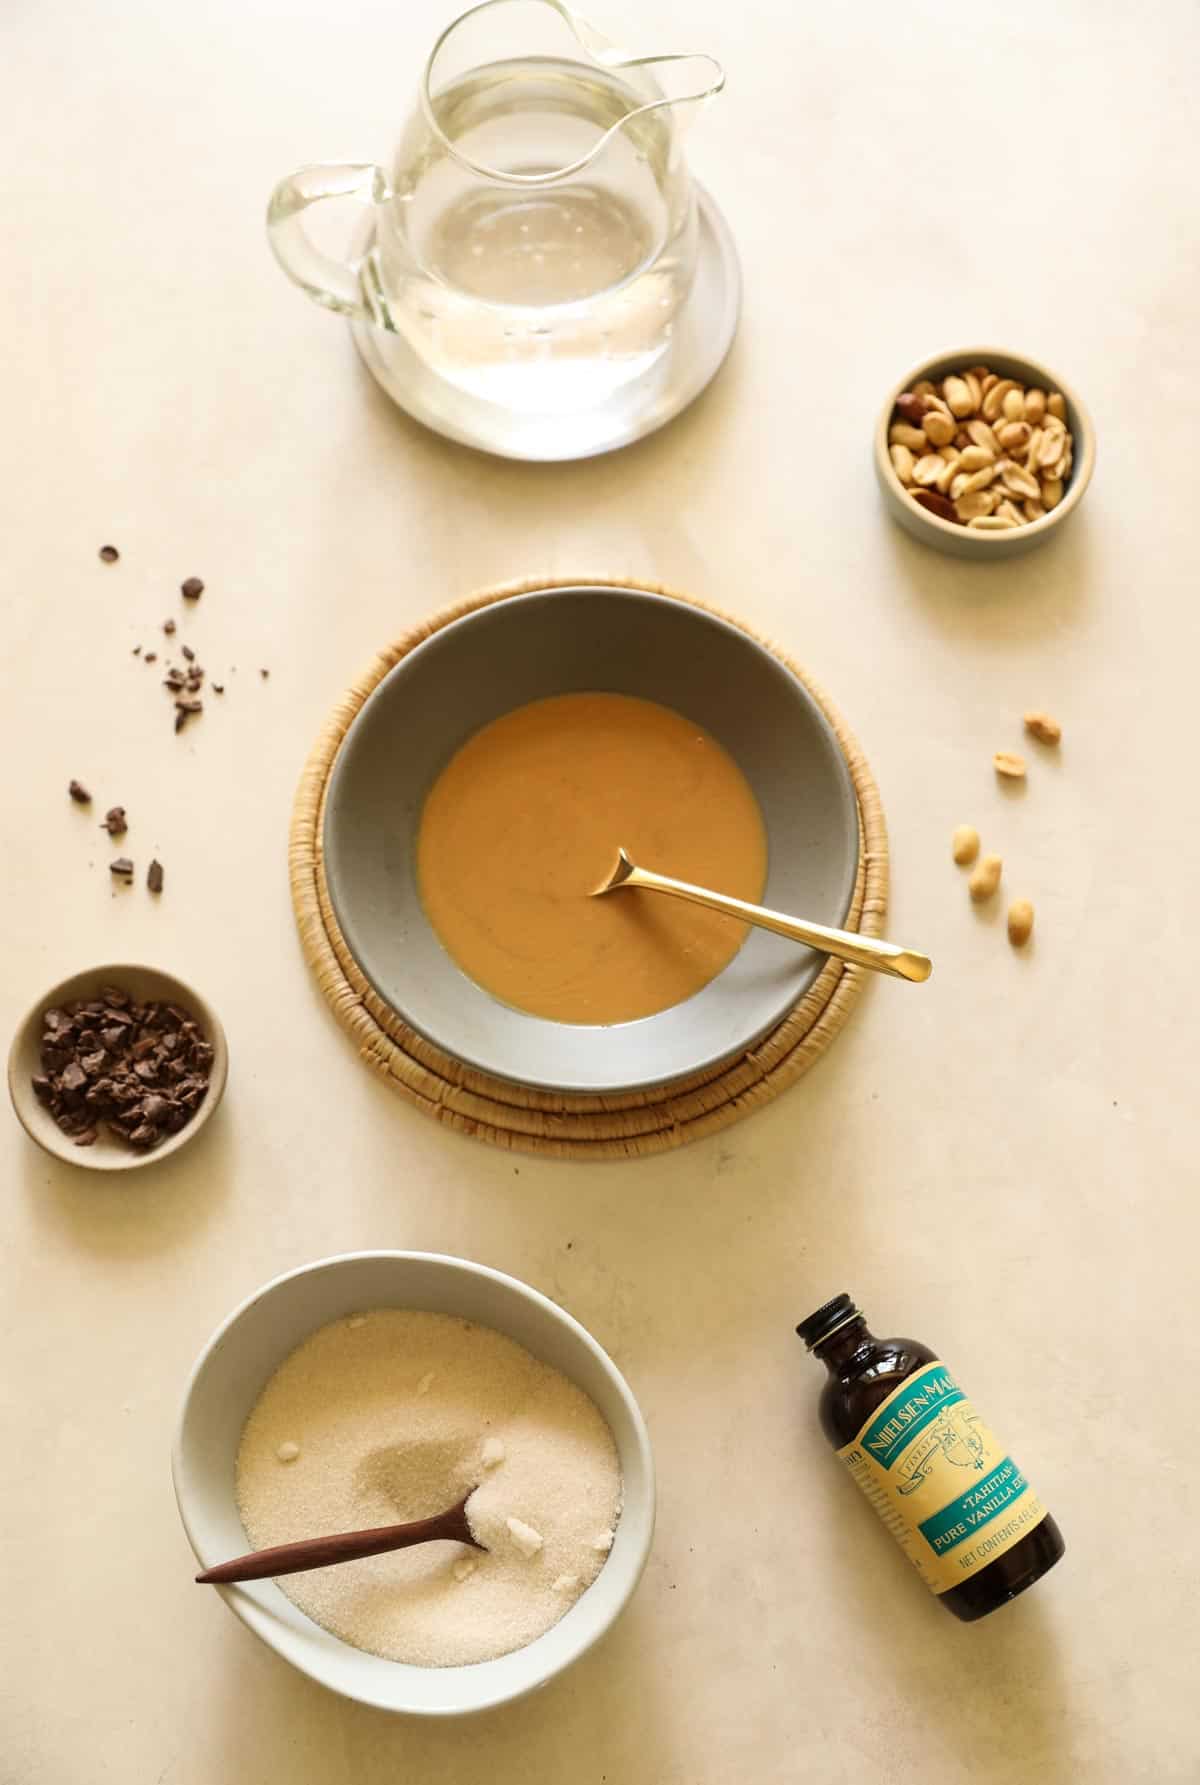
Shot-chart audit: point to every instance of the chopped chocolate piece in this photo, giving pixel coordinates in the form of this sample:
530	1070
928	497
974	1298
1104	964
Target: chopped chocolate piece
150	657
154	877
168	627
42	1088
154	1107
116	999
112	1038
93	1064
74	1078
87	1138
56	1019
109	554
193	588
122	868
79	793
114	821
189	653
218	687
144	1136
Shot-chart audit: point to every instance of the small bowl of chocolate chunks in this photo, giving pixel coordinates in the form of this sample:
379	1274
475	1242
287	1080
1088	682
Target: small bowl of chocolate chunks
117	1067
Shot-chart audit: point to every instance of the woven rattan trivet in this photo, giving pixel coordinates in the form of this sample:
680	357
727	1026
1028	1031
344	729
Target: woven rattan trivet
533	1121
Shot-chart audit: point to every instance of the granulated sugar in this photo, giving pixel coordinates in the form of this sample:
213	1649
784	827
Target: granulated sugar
395	1415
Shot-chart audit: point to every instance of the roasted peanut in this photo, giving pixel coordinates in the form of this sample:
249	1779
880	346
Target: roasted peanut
902	463
1014	404
1035	406
911	407
1043	727
985	878
1056	404
929	468
964	845
974	458
935	503
958	395
1009	764
939	428
993	402
982	435
902	433
972	503
1020	922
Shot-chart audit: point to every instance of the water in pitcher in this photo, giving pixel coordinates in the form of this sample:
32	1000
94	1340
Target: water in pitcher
544	297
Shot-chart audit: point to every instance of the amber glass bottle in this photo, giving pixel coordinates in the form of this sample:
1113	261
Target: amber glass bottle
954	1500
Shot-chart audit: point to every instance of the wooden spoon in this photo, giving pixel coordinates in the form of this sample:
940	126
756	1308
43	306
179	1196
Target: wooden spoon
346	1546
847	945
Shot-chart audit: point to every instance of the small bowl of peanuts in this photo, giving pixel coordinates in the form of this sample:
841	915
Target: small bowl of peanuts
982	453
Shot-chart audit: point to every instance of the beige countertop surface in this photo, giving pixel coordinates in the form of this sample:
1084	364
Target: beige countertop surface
1003	1163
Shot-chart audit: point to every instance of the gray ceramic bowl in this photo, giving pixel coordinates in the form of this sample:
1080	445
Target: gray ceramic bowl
560	641
109	1152
964	542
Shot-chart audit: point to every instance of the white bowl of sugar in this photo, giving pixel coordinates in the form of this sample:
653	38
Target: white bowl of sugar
363	1389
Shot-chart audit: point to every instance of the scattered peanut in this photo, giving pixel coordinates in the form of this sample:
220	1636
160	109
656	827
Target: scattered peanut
1009	764
964	845
977	426
1045	729
985	878
1020	922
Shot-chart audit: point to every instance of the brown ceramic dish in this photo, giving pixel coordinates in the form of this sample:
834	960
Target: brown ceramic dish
110	1152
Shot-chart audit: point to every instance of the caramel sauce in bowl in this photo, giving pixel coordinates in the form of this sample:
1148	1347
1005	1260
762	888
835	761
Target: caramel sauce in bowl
472	809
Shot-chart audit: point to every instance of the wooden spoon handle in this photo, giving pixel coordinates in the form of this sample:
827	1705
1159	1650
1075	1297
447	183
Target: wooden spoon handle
343	1546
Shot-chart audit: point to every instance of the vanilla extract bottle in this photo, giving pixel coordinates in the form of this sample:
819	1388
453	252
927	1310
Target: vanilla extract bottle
955	1501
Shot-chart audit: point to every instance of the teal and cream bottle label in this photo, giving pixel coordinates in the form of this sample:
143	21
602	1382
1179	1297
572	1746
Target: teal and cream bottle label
948	1492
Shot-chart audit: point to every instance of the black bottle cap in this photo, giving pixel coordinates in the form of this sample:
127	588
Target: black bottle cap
830	1315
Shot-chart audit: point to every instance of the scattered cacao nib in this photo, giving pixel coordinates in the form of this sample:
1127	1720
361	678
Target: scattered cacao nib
151	657
218	687
145	1083
154	877
174	679
79	793
114	821
121	868
264	673
189	653
193	588
189	706
168	627
109	554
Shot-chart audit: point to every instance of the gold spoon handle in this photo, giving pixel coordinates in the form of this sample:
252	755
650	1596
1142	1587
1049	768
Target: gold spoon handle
863	951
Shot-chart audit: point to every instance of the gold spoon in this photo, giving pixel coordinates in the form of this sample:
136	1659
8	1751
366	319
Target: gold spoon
451	1526
864	951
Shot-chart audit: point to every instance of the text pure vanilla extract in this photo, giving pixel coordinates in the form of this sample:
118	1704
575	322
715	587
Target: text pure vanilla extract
960	1508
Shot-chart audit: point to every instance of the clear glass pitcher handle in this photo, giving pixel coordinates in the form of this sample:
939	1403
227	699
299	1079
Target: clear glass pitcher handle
333	283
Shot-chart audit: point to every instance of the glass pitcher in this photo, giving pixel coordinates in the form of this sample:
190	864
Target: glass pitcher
537	235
